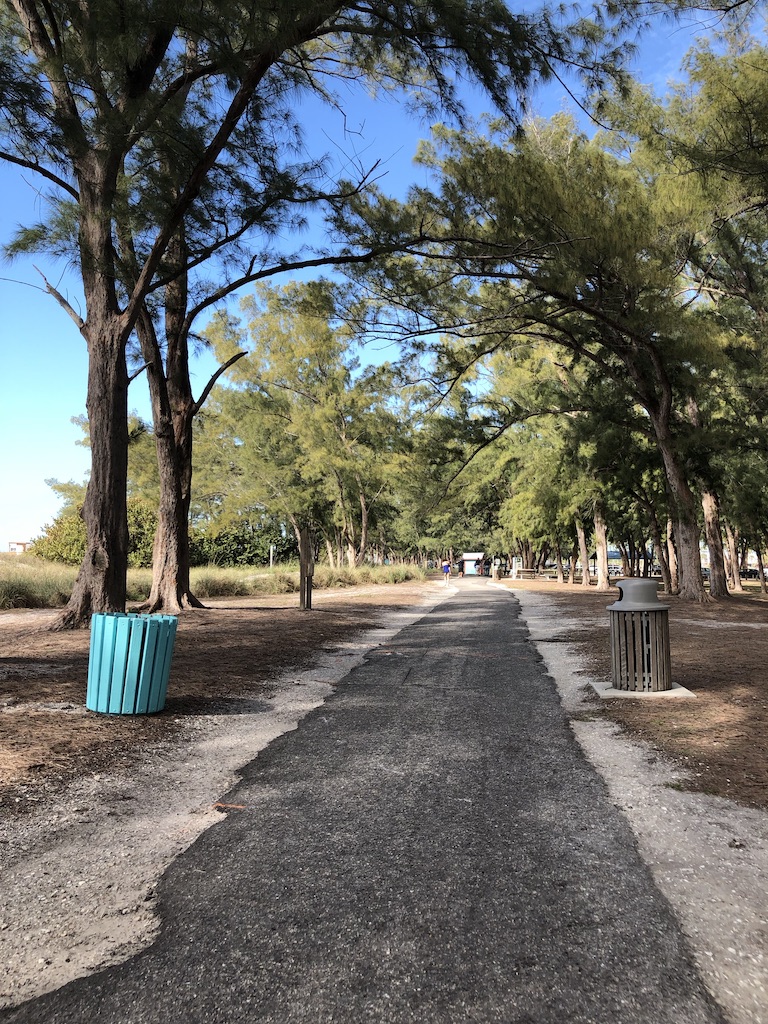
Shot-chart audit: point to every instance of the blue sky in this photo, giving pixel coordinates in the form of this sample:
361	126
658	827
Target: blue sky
44	359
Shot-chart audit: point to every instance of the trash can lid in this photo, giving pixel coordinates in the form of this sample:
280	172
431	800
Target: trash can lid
637	595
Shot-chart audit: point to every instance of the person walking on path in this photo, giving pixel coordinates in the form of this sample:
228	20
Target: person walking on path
446	567
430	846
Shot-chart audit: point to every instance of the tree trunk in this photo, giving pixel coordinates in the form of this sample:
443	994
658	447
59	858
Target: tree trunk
657	398
687	531
360	557
100	585
171	589
760	569
173	410
572	567
647	562
743	553
586	577
559	560
528	554
732	540
101	582
718	581
689	563
660	547
674	575
626	567
601	550
296	527
628	557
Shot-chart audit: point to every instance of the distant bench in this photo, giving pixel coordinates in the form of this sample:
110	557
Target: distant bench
525	574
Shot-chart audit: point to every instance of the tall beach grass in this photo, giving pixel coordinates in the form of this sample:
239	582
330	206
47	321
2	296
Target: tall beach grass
29	582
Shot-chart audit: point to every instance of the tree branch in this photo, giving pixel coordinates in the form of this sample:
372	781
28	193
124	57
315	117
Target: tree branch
210	385
30	165
65	305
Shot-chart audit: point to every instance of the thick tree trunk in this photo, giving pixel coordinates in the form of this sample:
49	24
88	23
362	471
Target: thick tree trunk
657	396
173	410
528	555
601	550
718	581
101	582
689	563
687	530
171	589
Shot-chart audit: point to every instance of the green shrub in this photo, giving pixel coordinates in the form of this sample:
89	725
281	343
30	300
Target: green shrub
64	539
245	543
142	525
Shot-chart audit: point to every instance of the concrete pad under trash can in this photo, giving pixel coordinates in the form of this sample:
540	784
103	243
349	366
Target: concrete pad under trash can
609	692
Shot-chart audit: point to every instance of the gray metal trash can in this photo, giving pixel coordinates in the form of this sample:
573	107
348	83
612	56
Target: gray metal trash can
640	638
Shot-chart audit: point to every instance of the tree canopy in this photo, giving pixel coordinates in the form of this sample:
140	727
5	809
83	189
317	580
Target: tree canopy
137	118
558	295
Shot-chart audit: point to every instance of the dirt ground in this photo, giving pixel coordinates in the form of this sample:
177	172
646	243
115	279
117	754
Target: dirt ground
719	651
224	654
236	646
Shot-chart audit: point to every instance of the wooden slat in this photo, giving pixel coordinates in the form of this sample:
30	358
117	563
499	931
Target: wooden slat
636	682
640	658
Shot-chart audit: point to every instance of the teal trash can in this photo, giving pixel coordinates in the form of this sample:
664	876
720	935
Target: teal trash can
129	663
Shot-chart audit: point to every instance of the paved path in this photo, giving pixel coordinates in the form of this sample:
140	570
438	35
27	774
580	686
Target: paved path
429	846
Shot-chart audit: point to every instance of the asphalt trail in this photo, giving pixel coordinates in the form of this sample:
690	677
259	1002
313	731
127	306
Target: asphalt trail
429	846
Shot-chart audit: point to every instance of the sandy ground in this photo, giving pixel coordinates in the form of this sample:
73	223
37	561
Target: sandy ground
83	846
